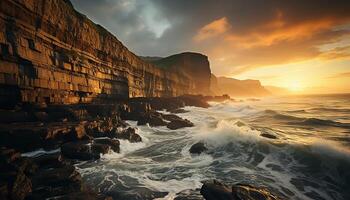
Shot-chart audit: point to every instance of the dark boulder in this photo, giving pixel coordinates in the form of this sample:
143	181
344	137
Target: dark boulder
198	148
49	161
214	190
137	193
134	110
241	191
153	119
177	124
57	176
240	124
9	116
178	110
78	150
23	139
8	155
171	117
14	183
129	134
54	182
26	165
100	148
84	195
113	143
268	135
21	186
189	195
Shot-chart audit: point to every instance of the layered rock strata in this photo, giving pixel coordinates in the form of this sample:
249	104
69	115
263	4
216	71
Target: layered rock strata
195	66
51	53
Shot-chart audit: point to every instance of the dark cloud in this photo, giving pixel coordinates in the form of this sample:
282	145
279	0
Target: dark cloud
251	34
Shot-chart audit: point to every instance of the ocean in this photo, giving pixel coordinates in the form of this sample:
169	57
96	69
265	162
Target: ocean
309	159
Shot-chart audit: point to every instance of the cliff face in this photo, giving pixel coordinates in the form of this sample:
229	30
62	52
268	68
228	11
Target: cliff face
51	53
244	88
194	66
214	86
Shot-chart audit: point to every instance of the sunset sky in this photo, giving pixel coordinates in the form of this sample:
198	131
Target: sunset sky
303	45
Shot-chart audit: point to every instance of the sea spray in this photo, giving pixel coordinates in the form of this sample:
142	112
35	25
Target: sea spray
303	162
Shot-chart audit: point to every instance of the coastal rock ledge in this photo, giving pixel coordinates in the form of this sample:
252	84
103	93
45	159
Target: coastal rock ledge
215	190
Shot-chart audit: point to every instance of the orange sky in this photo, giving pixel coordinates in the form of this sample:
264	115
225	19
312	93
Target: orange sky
301	45
306	57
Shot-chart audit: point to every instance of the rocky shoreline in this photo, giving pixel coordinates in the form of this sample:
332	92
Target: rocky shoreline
75	133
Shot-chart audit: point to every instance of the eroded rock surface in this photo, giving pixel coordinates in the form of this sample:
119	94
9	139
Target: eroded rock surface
215	190
198	148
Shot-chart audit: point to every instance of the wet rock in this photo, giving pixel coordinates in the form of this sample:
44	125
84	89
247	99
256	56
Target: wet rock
41	116
153	119
78	131
23	139
177	124
100	148
214	190
189	195
129	134
138	193
54	182
78	150
84	195
113	143
134	110
9	116
241	191
21	186
56	176
11	161
18	185
26	165
171	117
198	148
240	124
268	135
49	161
8	155
178	110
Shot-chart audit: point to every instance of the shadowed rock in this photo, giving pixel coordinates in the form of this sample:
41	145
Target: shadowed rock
78	150
129	134
100	148
214	190
113	143
198	148
179	123
268	135
55	182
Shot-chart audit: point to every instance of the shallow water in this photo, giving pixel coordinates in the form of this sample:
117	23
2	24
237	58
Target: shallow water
310	159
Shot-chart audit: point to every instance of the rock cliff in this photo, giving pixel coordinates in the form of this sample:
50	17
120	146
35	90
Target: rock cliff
241	88
51	53
194	66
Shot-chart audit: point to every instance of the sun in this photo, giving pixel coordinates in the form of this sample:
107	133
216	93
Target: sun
295	86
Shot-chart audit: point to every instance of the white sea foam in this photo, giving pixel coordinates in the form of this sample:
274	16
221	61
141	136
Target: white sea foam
174	186
330	148
225	132
248	158
39	152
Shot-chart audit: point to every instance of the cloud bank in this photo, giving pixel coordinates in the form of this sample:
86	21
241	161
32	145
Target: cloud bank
237	35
